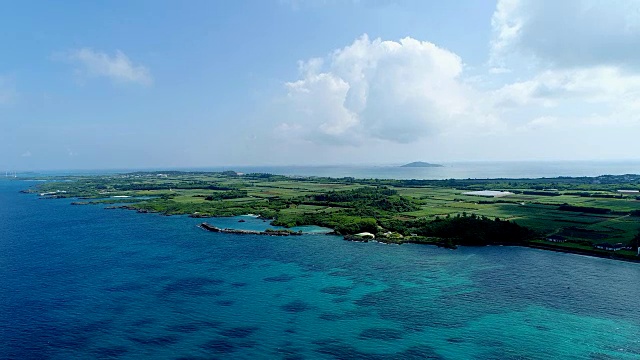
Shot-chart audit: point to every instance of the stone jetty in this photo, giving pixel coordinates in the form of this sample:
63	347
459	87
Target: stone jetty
270	232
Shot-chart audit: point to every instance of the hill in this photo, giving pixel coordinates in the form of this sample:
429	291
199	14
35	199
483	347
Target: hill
421	164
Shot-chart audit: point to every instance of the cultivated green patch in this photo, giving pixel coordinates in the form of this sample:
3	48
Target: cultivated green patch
583	211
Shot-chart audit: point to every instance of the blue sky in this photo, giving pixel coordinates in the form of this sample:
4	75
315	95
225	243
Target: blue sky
206	83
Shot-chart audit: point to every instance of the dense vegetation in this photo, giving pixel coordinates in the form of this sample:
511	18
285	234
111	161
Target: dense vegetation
465	230
232	194
584	210
341	223
366	200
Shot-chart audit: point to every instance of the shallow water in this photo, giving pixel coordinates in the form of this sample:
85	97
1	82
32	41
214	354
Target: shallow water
84	282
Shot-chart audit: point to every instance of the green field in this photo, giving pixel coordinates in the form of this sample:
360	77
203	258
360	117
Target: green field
583	210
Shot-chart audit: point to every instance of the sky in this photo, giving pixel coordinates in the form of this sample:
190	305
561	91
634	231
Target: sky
142	84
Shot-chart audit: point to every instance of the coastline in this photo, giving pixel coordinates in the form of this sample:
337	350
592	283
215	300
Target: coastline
445	213
267	232
612	256
154	254
442	243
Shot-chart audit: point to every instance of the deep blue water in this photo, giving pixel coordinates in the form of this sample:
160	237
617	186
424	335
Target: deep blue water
85	282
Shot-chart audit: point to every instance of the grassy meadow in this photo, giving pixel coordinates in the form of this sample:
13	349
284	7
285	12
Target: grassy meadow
583	210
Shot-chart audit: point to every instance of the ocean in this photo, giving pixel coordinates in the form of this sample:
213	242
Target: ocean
453	170
82	282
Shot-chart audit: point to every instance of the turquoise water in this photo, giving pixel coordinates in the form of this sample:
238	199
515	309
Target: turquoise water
85	282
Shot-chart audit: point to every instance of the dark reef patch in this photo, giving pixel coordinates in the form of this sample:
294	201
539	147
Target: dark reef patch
100	326
380	334
71	340
347	315
490	343
296	306
239	332
455	340
339	350
419	352
219	346
247	344
339	273
279	278
600	356
326	341
330	316
155	341
194	326
336	290
501	355
143	322
145	266
189	284
184	328
110	352
412	318
164	258
286	351
192	286
125	287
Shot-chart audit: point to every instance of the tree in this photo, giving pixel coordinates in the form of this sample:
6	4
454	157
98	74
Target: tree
636	240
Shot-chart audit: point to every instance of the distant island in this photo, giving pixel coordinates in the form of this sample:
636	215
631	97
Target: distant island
420	164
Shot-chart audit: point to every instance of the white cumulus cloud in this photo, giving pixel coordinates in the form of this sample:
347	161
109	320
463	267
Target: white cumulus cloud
398	91
119	68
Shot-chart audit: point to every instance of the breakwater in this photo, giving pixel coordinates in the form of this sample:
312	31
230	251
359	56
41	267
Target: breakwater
270	232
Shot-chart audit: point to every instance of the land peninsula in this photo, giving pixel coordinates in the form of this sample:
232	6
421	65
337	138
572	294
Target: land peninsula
598	216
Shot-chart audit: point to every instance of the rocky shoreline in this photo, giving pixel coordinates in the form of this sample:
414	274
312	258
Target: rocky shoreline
269	232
